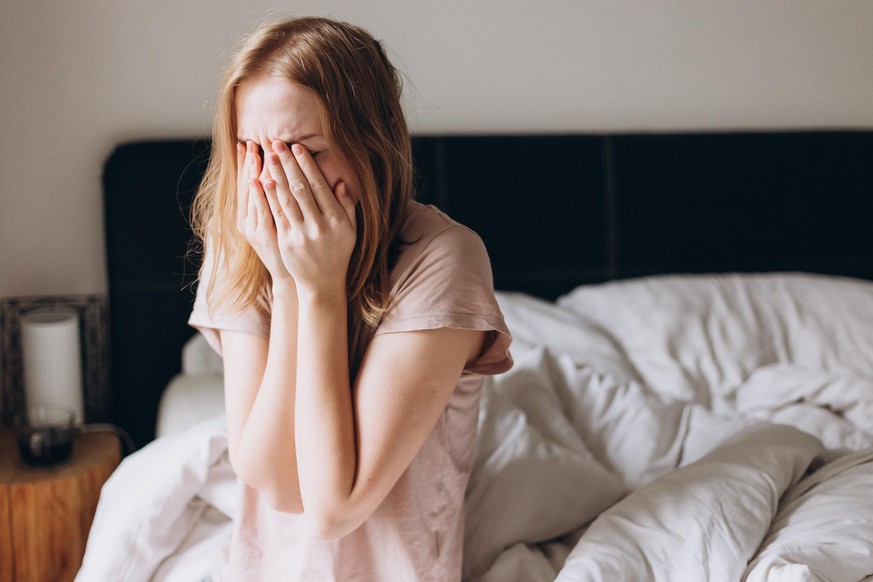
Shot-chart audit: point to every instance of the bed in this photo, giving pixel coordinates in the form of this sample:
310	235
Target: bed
693	333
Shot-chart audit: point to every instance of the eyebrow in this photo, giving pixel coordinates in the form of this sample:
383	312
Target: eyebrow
294	139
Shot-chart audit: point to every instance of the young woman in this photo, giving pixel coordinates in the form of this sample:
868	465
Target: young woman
355	323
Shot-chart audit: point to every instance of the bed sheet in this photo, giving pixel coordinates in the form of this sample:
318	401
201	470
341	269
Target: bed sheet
735	409
188	399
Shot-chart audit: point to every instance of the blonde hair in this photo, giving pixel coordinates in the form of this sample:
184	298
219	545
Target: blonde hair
359	92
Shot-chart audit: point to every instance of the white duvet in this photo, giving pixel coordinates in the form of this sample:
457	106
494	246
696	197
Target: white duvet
695	428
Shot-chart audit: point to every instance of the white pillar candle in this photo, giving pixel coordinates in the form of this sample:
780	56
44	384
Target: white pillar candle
51	359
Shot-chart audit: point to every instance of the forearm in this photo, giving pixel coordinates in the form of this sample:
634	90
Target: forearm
266	454
325	426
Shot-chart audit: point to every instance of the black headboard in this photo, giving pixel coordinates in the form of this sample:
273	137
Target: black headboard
555	211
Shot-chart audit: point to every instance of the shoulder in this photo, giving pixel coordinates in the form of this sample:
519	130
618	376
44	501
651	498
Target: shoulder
435	241
216	308
425	217
443	279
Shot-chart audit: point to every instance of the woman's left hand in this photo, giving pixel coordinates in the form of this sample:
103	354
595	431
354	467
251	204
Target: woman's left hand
315	225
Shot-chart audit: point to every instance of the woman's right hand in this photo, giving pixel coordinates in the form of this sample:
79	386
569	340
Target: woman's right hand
254	218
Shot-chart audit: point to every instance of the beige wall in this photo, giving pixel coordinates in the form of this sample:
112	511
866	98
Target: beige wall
78	76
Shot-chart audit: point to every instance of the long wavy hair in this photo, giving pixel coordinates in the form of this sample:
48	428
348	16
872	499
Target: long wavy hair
359	94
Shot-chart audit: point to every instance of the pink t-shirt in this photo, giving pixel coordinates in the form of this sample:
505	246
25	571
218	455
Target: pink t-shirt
442	279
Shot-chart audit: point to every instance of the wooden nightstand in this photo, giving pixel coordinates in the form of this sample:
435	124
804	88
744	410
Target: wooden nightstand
46	514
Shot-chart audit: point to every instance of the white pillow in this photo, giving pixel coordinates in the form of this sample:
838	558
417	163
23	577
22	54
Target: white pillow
187	400
199	358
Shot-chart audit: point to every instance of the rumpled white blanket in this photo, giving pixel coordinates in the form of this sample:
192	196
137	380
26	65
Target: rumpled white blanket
678	385
712	427
165	510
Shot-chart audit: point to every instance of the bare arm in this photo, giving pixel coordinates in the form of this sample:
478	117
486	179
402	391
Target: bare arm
260	373
353	445
260	400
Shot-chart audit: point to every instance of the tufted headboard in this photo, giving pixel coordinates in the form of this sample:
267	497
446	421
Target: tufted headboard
554	211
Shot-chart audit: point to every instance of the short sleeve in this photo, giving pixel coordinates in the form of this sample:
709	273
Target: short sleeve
450	284
253	320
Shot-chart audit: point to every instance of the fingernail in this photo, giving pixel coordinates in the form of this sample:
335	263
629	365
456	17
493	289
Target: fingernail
279	146
273	159
297	149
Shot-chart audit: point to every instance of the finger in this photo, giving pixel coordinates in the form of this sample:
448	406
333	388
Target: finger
254	181
268	184
279	216
242	188
240	163
319	187
297	182
286	200
263	216
347	203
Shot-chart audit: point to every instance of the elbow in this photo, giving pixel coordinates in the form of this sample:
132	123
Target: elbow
329	525
322	529
321	525
282	499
